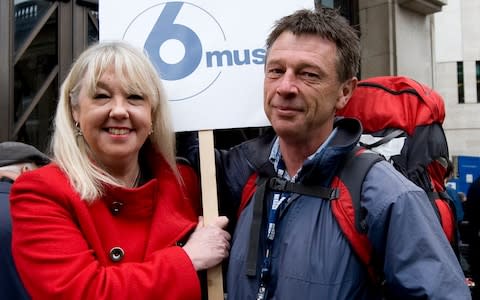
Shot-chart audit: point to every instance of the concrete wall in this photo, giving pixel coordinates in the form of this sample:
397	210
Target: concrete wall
377	38
397	39
458	39
414	45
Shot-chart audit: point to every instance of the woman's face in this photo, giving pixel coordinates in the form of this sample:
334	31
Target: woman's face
114	123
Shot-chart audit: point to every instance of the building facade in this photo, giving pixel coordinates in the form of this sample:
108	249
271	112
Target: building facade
39	39
458	74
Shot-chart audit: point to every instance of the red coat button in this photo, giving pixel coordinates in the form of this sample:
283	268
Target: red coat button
116	254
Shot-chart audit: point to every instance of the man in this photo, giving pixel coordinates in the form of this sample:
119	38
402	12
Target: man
472	233
454	195
289	245
15	158
301	253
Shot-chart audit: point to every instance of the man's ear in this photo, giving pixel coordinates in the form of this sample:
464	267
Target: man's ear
27	167
24	169
345	92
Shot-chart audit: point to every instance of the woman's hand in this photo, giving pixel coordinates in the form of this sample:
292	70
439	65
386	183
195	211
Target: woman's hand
209	244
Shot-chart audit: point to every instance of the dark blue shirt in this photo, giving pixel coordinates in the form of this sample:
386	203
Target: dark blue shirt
10	285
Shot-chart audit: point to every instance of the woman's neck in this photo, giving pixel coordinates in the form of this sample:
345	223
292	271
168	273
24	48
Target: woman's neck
129	176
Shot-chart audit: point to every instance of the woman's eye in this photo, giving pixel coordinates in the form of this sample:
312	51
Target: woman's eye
100	96
135	97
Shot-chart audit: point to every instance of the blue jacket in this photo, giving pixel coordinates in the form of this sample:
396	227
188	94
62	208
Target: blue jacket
457	202
312	259
10	285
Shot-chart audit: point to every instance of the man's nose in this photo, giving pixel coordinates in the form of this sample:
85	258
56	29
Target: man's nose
287	84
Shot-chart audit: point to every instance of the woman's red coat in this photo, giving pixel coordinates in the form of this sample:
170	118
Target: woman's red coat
61	244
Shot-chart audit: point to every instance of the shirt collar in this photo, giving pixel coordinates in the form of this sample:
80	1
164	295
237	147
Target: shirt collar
277	160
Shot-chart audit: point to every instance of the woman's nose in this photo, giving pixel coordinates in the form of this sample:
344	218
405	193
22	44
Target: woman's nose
119	108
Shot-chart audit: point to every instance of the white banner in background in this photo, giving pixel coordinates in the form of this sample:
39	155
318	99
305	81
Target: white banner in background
209	54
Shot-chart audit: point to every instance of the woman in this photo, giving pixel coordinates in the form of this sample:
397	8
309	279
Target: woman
107	219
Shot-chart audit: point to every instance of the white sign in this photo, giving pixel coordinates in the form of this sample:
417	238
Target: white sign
469	178
209	54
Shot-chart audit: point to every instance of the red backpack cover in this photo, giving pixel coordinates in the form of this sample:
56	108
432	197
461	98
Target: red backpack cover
402	120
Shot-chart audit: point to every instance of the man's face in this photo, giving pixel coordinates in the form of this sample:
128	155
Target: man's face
301	87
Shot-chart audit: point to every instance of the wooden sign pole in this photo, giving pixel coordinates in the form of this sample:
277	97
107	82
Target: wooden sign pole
210	205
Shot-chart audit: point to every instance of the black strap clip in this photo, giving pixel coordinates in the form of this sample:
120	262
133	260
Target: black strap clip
278	184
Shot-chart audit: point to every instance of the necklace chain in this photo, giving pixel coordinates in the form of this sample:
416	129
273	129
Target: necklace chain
138	178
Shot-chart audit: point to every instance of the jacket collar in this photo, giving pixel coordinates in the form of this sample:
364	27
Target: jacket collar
322	166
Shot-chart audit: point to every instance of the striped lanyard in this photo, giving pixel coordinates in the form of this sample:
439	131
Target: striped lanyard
280	199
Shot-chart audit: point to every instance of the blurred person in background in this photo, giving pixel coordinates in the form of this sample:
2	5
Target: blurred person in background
15	158
472	233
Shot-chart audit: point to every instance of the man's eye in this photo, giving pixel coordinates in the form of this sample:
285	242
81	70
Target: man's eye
274	73
310	75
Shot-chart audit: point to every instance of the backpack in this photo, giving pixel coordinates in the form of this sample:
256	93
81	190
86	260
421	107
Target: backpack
402	120
402	123
344	194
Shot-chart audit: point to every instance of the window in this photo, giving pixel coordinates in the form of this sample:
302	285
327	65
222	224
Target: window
460	85
35	70
38	41
327	3
347	8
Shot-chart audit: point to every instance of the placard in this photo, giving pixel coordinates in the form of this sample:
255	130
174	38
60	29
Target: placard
209	54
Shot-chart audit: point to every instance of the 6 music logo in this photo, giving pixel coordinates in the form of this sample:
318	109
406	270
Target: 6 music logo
187	46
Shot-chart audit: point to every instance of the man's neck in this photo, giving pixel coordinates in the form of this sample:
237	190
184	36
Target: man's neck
296	149
295	154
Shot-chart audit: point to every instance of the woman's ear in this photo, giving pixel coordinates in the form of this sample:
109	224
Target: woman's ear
75	115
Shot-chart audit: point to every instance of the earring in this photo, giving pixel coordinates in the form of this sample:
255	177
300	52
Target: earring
151	129
78	130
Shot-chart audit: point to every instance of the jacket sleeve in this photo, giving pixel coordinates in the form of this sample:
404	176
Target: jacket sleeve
55	261
418	261
233	167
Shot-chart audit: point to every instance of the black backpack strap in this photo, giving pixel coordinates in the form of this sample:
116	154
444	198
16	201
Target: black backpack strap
282	185
353	225
352	174
358	163
275	184
258	207
394	134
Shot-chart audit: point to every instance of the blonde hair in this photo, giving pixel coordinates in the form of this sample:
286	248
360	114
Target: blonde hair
137	76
